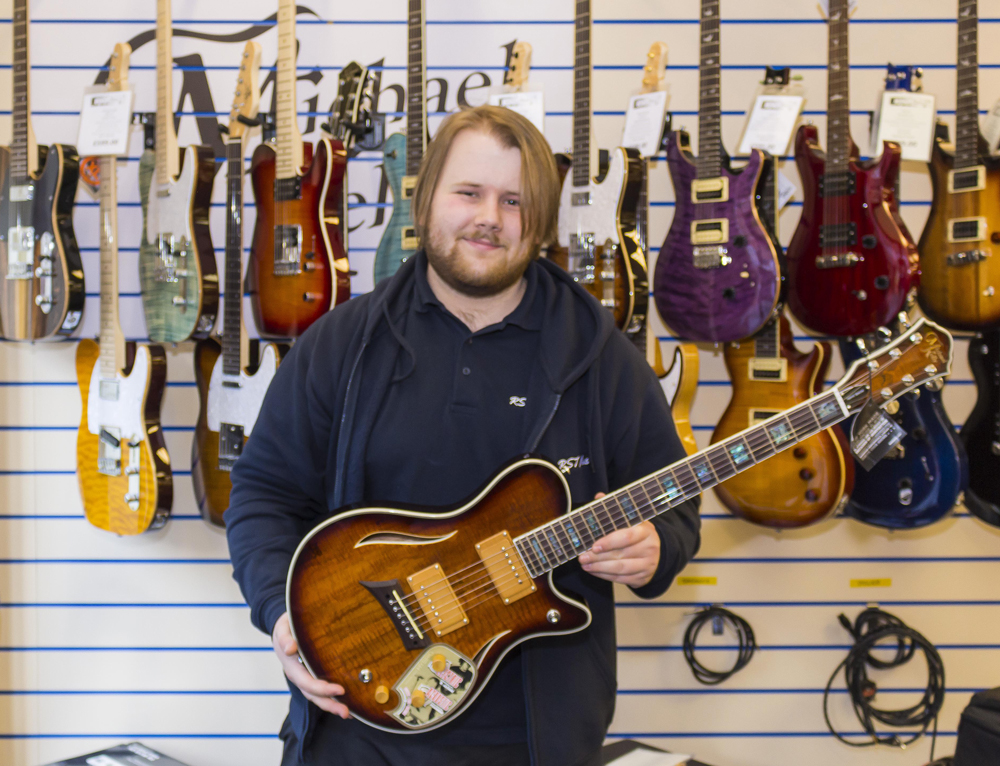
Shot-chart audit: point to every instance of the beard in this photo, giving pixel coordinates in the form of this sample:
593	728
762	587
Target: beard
463	271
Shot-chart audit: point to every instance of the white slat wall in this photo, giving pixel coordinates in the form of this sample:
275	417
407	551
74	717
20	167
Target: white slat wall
105	639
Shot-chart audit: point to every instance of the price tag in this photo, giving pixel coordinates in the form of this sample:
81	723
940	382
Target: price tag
530	103
908	119
644	122
873	434
991	128
104	122
786	190
770	124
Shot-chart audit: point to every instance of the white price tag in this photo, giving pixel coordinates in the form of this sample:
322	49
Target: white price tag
104	760
786	190
644	122
530	103
908	119
991	127
770	124
104	122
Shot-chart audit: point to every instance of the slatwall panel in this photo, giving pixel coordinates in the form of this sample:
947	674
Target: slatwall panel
105	639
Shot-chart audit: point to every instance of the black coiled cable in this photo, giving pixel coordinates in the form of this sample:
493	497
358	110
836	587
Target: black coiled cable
744	634
876	627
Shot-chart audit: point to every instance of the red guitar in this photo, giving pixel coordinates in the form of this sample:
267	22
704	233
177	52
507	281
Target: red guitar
852	264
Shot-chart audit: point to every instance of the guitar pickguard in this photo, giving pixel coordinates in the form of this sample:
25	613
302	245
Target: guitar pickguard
124	412
598	218
240	406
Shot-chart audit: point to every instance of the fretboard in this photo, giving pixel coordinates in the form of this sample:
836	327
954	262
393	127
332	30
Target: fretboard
289	154
581	96
642	209
20	110
166	139
838	110
765	343
967	103
232	306
568	536
709	163
112	341
416	75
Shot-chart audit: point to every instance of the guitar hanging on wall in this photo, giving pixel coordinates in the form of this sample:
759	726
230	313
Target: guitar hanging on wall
981	431
121	458
41	274
177	272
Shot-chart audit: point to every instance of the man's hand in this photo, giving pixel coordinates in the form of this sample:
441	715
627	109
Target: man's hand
629	556
320	693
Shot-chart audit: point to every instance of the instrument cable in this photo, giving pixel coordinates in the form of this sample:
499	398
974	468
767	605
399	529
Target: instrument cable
719	617
876	627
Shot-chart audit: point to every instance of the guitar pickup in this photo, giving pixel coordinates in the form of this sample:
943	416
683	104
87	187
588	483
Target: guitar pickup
841	184
230	445
710	257
764	368
287	189
438	602
967	256
967	179
109	451
838	235
406	187
579	199
409	239
759	416
967	229
505	567
709	230
710	190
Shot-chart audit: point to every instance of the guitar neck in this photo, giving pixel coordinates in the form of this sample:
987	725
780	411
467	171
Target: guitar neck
232	319
21	112
416	104
112	345
166	139
582	161
709	162
967	105
838	110
766	342
563	539
289	150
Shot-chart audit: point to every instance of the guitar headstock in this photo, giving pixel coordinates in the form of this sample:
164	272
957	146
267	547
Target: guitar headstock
920	355
118	67
247	98
907	78
520	65
351	107
653	74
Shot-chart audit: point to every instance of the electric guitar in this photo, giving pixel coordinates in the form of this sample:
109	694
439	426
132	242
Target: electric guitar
403	152
799	487
679	384
596	218
121	458
411	610
717	277
177	272
41	275
852	264
298	266
960	282
232	376
981	431
921	479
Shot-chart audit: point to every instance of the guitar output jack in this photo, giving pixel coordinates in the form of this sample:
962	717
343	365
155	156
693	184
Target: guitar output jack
553	616
365	676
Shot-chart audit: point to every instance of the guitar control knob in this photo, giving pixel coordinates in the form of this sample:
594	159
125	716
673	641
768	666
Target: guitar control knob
418	699
799	452
438	663
740	241
381	695
995	448
805	474
811	495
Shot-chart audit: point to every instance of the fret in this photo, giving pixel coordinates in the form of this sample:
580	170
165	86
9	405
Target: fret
703	472
759	443
534	540
289	151
594	526
580	526
167	160
967	75
780	432
582	171
575	538
558	550
111	339
802	422
740	453
629	507
416	104
670	488
722	465
232	305
20	164
765	343
686	482
528	556
709	161
826	410
650	491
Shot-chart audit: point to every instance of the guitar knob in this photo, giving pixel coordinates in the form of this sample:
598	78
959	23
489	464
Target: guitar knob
418	699
805	474
811	495
729	293
381	695
995	448
799	452
438	663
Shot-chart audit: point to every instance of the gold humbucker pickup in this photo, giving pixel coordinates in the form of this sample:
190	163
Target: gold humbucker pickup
407	185
505	567
967	179
967	229
710	231
437	600
764	368
409	238
710	190
759	416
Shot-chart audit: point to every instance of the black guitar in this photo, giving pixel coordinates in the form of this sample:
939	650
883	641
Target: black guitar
981	432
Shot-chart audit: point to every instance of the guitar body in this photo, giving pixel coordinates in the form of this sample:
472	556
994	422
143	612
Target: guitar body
398	238
285	304
221	404
797	487
134	419
920	483
177	271
981	431
42	305
963	295
615	273
717	303
342	628
859	298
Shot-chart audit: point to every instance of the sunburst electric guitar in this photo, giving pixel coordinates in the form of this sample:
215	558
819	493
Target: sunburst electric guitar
121	458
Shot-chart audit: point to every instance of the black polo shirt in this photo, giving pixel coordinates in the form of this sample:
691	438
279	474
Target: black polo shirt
444	430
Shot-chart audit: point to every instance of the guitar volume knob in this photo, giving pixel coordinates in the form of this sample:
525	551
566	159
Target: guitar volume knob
382	695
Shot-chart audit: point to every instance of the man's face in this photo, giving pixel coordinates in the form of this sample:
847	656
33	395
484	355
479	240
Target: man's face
474	232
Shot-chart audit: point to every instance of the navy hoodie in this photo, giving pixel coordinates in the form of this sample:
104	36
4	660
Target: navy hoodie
594	397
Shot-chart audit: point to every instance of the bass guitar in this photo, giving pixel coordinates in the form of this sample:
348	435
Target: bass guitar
298	266
41	274
121	458
802	486
981	431
403	152
411	610
177	272
852	265
960	282
717	277
921	478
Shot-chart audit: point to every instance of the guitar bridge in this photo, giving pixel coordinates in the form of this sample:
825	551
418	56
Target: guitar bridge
20	252
230	445
171	257
388	594
287	250
582	265
710	257
967	256
836	260
132	472
109	451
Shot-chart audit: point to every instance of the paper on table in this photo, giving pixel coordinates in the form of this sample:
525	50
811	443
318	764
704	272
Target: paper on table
770	124
644	122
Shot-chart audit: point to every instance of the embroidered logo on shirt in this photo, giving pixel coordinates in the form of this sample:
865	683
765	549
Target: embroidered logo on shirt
518	401
568	464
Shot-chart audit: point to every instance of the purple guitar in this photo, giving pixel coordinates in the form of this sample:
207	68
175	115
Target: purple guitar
717	278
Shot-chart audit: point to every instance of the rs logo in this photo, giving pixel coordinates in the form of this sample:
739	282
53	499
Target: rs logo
518	401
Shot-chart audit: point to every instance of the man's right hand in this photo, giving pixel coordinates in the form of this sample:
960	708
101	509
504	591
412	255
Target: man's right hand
321	693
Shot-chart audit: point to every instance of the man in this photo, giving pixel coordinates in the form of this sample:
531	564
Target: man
474	353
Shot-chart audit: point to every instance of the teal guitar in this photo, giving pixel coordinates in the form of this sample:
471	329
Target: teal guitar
402	155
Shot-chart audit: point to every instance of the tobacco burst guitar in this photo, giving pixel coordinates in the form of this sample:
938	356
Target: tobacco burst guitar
177	271
41	275
960	281
121	458
298	266
411	610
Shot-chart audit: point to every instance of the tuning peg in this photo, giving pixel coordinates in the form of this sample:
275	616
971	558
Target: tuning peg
885	332
860	343
904	320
